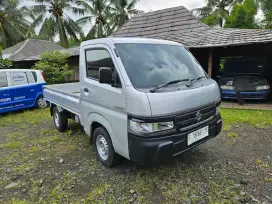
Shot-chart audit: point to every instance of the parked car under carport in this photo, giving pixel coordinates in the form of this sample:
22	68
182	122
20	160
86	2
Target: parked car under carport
244	79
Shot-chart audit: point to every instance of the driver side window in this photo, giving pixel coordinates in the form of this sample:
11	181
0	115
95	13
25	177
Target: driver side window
95	59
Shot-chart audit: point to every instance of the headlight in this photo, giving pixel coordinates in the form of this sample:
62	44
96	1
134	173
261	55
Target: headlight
149	127
225	87
265	87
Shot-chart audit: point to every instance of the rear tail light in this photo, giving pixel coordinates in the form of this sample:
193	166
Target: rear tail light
43	76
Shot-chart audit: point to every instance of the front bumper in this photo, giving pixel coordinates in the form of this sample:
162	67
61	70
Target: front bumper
144	150
247	95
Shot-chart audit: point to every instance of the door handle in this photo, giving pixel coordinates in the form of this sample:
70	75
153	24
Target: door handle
86	92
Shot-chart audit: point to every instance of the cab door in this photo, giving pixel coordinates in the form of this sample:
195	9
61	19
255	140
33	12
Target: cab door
5	98
104	102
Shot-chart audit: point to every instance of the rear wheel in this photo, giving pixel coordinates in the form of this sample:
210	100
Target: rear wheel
60	120
104	149
41	102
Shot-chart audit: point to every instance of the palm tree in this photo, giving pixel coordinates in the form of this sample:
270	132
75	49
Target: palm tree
122	11
55	21
99	14
216	11
13	26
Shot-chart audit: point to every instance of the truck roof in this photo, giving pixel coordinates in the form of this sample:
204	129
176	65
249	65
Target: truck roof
111	40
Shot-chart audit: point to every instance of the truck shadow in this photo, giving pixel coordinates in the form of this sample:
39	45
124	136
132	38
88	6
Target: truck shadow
189	158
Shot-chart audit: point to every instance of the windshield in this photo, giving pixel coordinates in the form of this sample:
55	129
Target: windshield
149	65
244	66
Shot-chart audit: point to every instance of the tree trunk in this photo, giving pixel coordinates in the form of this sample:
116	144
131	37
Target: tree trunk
99	30
221	22
4	38
62	34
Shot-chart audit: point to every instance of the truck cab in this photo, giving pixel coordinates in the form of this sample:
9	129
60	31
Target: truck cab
144	99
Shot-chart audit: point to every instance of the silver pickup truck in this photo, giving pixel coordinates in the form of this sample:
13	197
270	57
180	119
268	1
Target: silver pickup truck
146	100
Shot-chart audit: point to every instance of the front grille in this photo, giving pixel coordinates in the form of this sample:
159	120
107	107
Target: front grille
191	119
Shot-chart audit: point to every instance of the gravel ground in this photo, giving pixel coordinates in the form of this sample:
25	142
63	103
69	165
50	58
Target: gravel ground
40	165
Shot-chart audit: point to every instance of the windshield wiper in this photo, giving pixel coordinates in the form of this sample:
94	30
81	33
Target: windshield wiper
167	84
193	80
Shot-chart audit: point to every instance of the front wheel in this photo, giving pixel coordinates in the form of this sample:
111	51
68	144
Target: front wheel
41	102
60	120
104	149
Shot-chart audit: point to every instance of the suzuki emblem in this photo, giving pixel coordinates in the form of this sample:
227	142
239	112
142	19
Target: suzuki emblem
198	116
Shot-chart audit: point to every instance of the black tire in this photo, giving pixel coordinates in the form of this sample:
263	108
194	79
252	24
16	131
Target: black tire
113	158
39	104
60	120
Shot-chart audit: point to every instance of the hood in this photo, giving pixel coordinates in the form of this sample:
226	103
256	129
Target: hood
166	103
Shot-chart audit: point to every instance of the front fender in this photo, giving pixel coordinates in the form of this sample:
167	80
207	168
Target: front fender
95	117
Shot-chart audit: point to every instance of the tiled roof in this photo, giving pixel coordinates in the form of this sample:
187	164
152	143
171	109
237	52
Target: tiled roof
178	24
29	49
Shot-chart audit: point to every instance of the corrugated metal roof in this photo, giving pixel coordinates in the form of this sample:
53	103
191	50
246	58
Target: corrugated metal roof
178	24
29	49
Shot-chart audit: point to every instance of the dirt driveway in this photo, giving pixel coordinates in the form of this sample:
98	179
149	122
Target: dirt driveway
40	165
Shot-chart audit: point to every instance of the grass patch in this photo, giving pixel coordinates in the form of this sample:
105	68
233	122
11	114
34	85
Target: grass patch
28	116
24	167
10	145
268	180
263	164
15	201
232	135
256	118
97	193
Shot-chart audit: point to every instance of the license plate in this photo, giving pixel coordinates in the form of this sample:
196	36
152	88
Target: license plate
198	135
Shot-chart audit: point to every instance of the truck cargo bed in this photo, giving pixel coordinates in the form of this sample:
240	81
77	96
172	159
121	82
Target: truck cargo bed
64	95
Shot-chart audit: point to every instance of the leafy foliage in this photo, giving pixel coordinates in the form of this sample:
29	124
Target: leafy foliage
122	11
54	66
216	11
4	63
99	11
266	6
54	21
13	25
243	15
106	16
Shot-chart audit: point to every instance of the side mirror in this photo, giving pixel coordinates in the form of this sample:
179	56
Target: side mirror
105	75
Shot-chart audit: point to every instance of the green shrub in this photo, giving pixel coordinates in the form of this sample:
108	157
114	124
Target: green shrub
54	66
4	63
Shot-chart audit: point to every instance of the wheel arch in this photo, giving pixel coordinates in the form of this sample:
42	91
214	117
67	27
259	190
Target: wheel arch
97	120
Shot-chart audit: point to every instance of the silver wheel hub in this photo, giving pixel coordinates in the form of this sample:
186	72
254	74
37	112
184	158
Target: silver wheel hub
42	103
56	119
102	147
